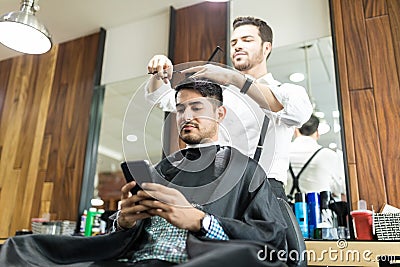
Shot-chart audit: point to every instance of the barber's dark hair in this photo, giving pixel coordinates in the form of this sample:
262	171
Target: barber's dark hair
310	127
264	29
205	88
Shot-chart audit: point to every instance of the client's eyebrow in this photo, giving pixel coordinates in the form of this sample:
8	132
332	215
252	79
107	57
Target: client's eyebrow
191	103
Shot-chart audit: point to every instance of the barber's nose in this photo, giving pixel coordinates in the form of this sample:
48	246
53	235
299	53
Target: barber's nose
238	46
188	115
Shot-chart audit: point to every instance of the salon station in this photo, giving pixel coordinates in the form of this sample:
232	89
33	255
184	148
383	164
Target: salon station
73	108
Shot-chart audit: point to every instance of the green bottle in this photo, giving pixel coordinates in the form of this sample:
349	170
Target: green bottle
89	221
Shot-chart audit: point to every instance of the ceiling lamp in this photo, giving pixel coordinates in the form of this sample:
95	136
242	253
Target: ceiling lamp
21	31
319	114
332	146
131	138
323	128
296	77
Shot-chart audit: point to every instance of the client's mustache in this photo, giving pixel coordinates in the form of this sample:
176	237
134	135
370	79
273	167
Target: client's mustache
188	123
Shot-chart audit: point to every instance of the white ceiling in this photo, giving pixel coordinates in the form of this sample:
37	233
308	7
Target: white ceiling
67	20
70	19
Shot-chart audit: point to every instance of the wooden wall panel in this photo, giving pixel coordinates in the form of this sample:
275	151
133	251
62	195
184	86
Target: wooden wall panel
340	56
196	31
109	188
387	100
354	196
358	64
14	111
5	68
74	81
37	121
370	30
44	113
375	8
199	29
370	175
394	20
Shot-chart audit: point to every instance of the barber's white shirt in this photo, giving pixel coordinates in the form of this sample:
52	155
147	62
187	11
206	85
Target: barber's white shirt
324	171
242	124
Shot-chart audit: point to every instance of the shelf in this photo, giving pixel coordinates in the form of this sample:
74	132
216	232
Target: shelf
349	253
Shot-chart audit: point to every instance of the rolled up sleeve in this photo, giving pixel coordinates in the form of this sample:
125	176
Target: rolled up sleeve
163	97
297	107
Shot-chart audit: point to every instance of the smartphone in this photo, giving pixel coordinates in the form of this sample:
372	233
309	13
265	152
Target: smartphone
139	169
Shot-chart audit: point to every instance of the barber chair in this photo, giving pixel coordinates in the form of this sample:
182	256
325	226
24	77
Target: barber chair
297	256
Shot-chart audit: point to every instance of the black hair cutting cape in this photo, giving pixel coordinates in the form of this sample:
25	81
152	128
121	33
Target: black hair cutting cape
244	205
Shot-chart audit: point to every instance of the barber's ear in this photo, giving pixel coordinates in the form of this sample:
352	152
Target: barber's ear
267	48
297	132
221	112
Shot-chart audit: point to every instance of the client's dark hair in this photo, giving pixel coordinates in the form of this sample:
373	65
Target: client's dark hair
310	127
205	88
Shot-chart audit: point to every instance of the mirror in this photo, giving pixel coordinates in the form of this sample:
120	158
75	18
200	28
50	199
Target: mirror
314	60
144	136
281	62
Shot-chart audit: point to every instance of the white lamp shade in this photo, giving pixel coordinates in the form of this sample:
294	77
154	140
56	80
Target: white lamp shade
296	77
323	128
22	32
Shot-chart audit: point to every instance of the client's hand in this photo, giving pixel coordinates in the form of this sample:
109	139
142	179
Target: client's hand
171	205
131	209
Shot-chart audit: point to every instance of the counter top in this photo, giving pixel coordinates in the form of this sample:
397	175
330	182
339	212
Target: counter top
351	253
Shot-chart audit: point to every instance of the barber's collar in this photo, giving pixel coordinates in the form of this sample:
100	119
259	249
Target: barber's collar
202	145
268	79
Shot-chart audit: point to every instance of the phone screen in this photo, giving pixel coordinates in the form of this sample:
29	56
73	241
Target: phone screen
138	171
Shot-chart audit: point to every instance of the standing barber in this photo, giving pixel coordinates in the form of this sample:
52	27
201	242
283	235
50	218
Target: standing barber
253	94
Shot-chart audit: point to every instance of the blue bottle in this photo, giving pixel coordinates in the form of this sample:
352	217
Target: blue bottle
314	212
300	211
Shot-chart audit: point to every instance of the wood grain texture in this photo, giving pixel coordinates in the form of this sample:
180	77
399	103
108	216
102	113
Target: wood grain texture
68	122
375	8
358	65
5	68
387	101
394	20
199	29
109	185
109	188
368	151
12	182
343	80
44	114
36	117
355	194
374	95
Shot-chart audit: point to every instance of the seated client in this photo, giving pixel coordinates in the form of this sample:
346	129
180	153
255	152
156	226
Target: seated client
209	206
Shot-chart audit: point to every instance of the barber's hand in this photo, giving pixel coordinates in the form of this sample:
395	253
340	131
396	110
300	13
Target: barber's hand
161	67
171	205
131	209
217	74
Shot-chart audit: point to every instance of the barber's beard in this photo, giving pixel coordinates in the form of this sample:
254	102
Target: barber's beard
242	66
250	62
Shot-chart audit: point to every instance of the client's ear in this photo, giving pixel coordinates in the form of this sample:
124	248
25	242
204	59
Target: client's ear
221	112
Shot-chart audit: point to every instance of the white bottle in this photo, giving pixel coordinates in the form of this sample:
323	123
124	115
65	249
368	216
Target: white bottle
83	222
